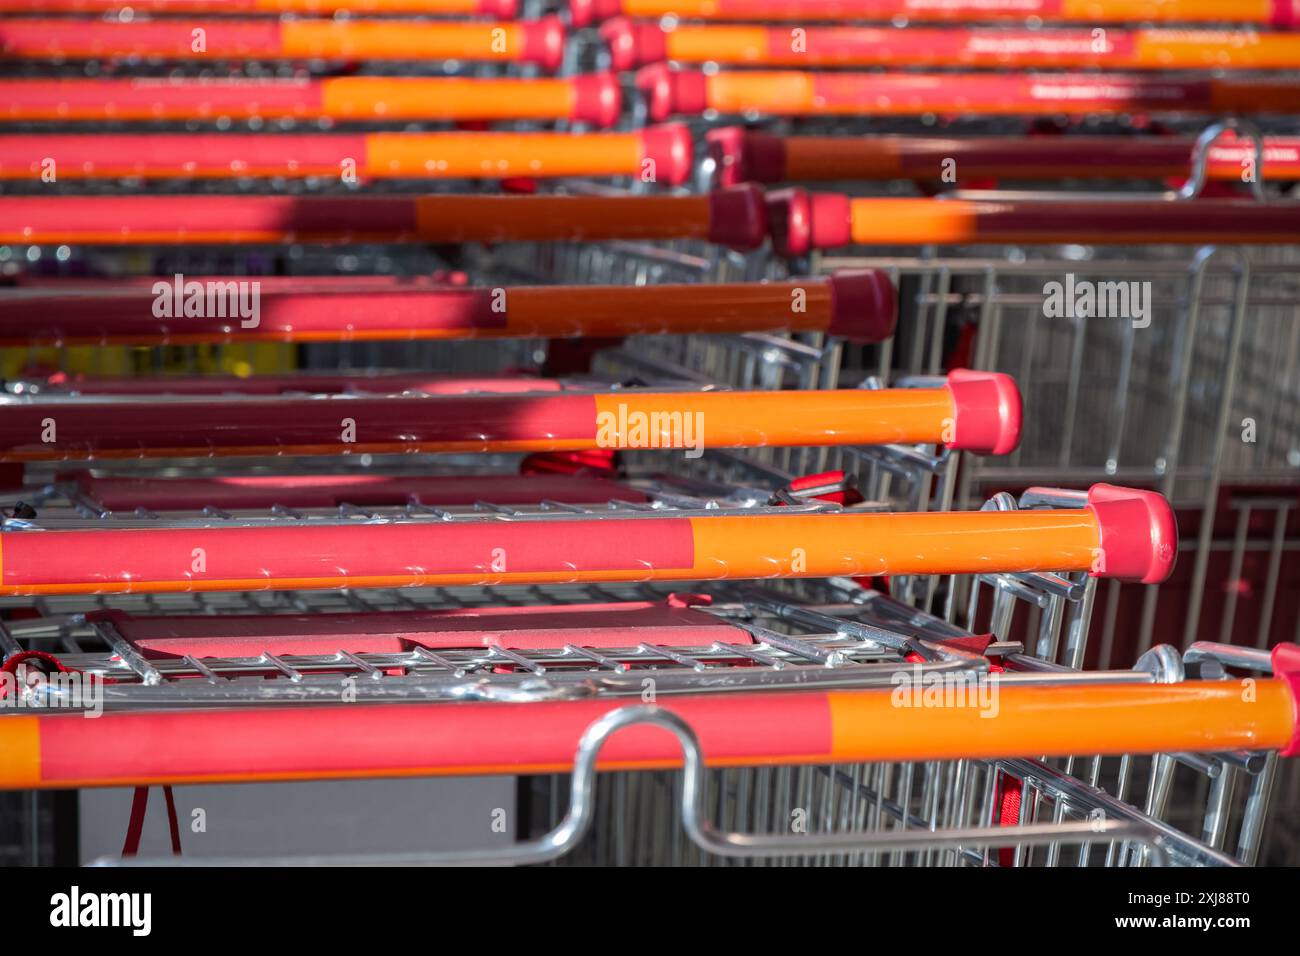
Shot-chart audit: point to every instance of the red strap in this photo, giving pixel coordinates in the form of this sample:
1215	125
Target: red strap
173	824
47	663
139	804
847	495
1008	813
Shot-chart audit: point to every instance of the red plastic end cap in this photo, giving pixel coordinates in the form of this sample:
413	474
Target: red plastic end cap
986	410
789	220
632	43
670	148
1137	533
726	147
1285	14
544	42
668	91
864	306
583	13
597	99
737	217
500	9
832	220
741	156
1286	666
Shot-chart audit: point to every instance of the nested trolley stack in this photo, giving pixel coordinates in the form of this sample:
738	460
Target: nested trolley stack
458	389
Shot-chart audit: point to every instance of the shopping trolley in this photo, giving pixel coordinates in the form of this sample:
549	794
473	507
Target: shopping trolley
724	664
962	787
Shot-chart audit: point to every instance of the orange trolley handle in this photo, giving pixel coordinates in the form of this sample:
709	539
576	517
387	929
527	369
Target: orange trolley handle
801	221
538	42
305	741
501	9
669	91
636	43
589	98
860	306
664	151
1120	534
973	411
1282	14
734	217
742	155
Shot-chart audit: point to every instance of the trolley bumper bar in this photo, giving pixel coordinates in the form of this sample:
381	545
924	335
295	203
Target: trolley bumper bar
589	99
859	306
734	217
670	91
1119	533
745	156
526	41
1282	14
777	728
972	411
634	43
804	221
372	156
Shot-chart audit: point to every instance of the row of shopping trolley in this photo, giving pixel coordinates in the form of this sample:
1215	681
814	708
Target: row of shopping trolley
549	602
728	541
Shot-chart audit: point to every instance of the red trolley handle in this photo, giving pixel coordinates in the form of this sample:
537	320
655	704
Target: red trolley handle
1281	14
802	221
670	92
860	306
592	98
733	217
539	42
1119	534
742	155
635	43
661	154
974	411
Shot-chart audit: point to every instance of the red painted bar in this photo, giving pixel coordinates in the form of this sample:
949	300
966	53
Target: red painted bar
361	740
745	156
286	556
395	423
735	217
